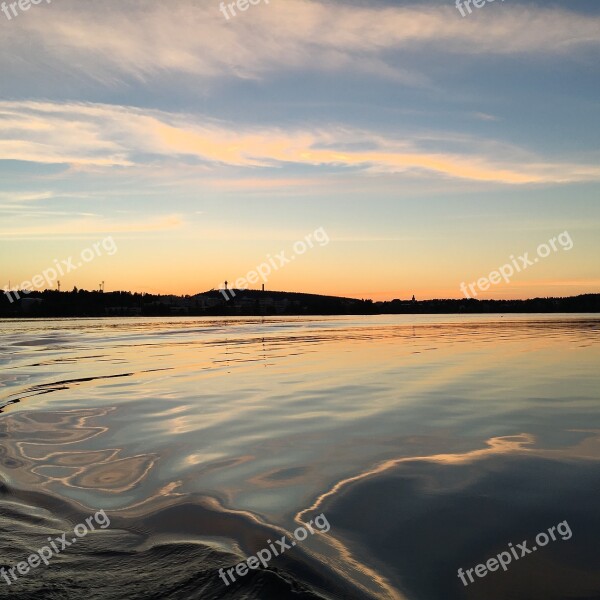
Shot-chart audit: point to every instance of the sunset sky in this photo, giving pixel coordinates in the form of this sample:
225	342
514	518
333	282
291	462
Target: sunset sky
429	146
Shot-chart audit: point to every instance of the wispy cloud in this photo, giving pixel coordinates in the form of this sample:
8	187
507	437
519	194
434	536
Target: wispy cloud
109	136
485	117
92	224
113	41
20	197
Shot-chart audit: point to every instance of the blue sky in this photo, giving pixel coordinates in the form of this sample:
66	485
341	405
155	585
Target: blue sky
430	146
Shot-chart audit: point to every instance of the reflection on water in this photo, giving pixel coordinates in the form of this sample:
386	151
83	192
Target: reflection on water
430	442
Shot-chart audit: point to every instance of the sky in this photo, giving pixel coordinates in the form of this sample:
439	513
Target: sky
429	147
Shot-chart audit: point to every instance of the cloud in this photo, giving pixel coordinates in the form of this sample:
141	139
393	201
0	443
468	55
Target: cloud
485	117
115	136
20	197
263	184
116	41
87	225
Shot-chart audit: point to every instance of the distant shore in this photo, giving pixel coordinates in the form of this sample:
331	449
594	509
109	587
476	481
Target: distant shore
83	303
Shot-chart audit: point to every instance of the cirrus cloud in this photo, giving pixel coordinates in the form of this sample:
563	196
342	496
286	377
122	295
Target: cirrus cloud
117	41
104	136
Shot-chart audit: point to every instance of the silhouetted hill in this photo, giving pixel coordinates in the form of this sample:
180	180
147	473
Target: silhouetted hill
82	303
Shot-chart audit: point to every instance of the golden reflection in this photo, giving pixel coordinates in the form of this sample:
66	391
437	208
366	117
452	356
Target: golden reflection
36	449
588	447
496	445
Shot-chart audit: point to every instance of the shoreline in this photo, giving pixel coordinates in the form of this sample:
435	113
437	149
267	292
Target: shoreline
253	303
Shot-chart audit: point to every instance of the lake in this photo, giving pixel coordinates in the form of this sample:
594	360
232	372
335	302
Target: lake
427	444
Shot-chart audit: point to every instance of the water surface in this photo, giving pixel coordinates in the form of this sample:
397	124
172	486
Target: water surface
429	442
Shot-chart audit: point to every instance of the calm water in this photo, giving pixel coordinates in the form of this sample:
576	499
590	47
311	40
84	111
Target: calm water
428	442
